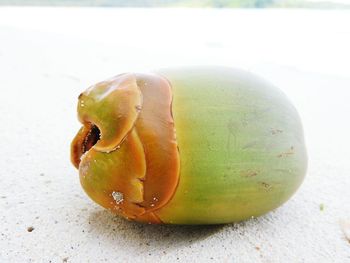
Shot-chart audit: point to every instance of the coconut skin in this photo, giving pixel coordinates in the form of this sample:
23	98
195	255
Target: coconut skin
207	145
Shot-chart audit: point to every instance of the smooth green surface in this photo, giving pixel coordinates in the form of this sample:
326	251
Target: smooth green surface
241	146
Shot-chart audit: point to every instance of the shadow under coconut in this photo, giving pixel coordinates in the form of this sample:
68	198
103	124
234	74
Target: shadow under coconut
144	237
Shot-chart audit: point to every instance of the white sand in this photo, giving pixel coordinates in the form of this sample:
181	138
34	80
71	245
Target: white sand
48	56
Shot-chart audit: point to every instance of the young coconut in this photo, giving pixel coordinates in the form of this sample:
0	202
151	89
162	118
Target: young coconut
201	145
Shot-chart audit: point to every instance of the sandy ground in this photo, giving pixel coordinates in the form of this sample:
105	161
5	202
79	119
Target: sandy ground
48	56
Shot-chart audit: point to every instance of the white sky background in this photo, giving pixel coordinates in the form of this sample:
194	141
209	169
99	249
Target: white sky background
333	1
316	41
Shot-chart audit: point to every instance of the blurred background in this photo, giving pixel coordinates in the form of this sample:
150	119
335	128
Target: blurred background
188	3
50	51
